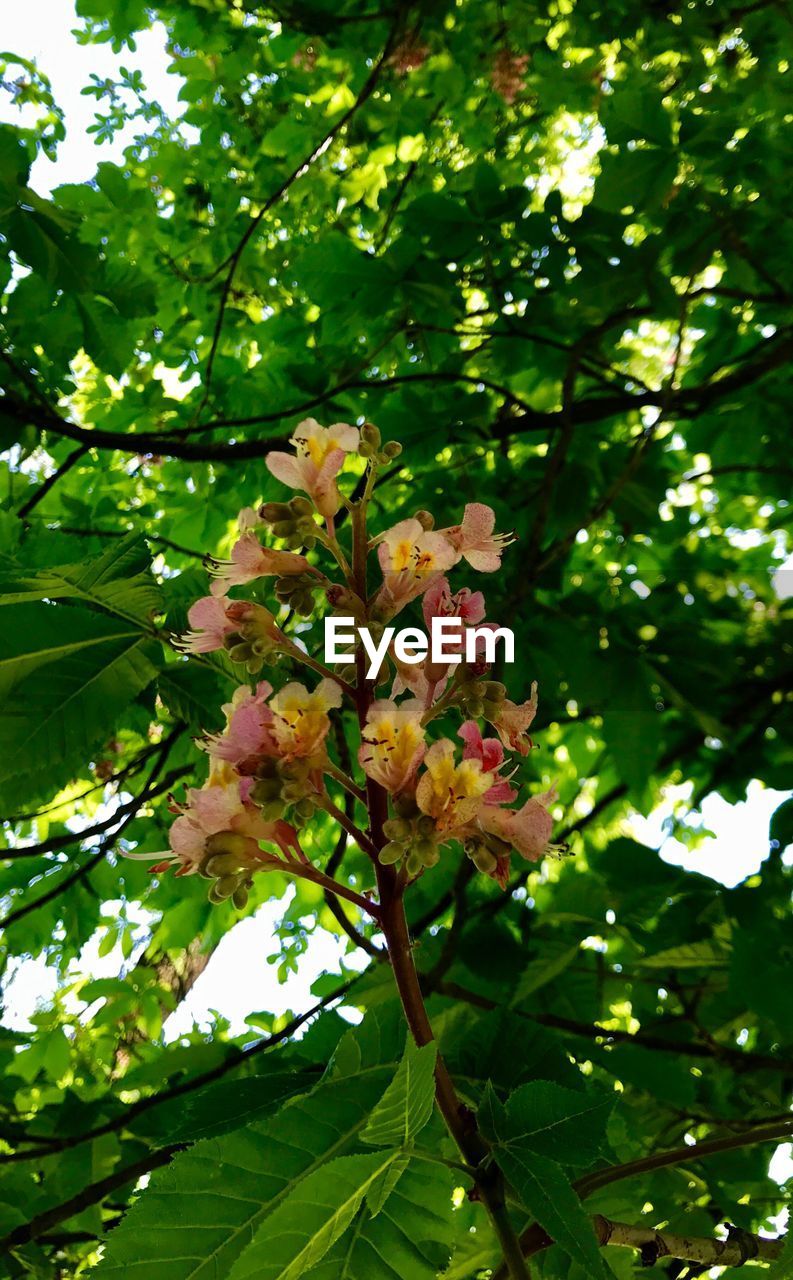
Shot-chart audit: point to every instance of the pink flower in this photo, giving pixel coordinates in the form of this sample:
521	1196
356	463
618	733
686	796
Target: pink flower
475	540
247	733
209	626
439	602
393	743
452	794
490	754
220	806
411	560
214	618
250	560
527	829
320	456
513	719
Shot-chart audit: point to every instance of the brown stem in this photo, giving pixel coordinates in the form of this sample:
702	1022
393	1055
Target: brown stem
349	826
459	1121
305	871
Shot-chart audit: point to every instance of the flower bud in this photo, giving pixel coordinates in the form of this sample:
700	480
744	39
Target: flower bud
475	707
413	864
391	853
229	842
405	805
426	519
301	507
392	450
365	450
304	810
225	886
396	828
484	860
370	434
423	849
222	864
495	690
265	791
240	898
270	512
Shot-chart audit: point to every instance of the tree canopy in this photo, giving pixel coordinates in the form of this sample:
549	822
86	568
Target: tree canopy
545	247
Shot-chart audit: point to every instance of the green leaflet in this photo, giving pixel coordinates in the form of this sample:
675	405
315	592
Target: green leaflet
65	674
554	1121
381	1188
541	1127
302	1229
120	581
691	955
410	1237
194	694
407	1103
546	1193
202	1211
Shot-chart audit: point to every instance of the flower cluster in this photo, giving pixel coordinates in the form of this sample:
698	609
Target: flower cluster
412	795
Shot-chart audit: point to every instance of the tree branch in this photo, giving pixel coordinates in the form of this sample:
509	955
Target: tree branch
130	1113
233	260
738	1059
48	484
149	793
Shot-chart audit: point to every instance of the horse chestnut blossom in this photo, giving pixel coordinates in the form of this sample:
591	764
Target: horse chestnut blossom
319	457
308	743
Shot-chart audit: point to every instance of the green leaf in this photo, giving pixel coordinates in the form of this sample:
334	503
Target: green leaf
407	1103
691	955
546	1193
194	694
408	1239
302	1229
231	1103
781	825
557	1122
120	581
542	1127
382	1187
200	1212
65	674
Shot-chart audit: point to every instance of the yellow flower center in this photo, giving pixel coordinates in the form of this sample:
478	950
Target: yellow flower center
318	448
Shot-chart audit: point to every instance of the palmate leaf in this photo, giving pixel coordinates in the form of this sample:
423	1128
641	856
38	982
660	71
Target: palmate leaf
407	1103
298	1234
410	1237
200	1213
120	581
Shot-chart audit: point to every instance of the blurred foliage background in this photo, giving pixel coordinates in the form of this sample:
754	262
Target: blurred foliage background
547	247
